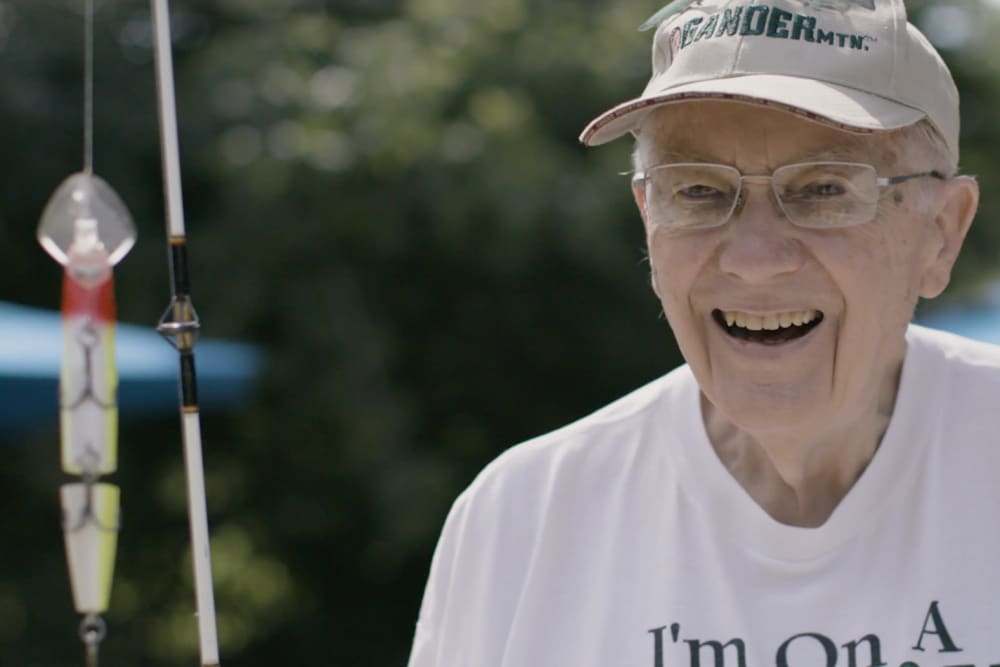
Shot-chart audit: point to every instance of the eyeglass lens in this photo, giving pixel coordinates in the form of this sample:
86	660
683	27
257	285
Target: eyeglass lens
814	194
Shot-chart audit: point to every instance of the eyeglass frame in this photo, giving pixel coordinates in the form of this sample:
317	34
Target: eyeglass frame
639	179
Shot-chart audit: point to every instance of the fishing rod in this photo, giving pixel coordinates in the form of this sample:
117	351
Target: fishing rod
179	326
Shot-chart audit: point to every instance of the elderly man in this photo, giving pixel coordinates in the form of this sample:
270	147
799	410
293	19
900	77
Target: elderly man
818	485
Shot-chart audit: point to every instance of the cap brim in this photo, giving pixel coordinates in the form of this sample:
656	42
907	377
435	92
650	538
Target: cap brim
831	104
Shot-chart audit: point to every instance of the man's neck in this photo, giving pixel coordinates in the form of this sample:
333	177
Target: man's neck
800	476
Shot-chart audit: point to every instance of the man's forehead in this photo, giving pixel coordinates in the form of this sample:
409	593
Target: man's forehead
736	133
680	151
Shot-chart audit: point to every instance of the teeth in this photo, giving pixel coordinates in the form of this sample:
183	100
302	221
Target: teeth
769	322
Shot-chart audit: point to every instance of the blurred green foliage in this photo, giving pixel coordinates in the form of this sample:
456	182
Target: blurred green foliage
388	197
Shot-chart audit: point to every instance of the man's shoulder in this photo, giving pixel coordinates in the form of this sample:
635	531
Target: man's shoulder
959	376
601	443
958	352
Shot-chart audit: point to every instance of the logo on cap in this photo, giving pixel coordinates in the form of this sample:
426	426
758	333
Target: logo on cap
760	20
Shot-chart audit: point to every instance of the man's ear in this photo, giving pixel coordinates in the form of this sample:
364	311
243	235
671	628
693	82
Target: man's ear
956	207
639	194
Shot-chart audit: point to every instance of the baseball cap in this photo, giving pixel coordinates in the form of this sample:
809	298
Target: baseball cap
855	64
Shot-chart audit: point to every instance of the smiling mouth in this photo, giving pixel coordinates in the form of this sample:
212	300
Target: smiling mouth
771	329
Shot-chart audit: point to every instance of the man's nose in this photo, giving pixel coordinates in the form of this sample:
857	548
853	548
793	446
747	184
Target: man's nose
760	243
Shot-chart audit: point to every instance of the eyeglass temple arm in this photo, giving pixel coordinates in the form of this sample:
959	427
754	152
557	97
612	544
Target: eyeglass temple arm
894	180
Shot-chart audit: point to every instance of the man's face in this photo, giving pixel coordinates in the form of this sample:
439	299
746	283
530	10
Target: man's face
854	288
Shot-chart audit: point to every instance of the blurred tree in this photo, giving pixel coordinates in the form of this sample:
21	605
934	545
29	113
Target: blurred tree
388	196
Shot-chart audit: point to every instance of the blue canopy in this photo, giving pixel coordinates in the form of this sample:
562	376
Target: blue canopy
31	358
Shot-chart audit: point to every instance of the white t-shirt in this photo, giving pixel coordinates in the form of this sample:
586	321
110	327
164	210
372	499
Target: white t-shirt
622	541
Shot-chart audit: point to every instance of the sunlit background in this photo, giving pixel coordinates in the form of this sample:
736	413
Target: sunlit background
404	263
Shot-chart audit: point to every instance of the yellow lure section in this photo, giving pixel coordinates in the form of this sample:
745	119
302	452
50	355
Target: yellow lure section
90	532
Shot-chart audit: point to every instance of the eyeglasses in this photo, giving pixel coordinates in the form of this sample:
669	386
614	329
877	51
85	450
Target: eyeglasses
817	195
